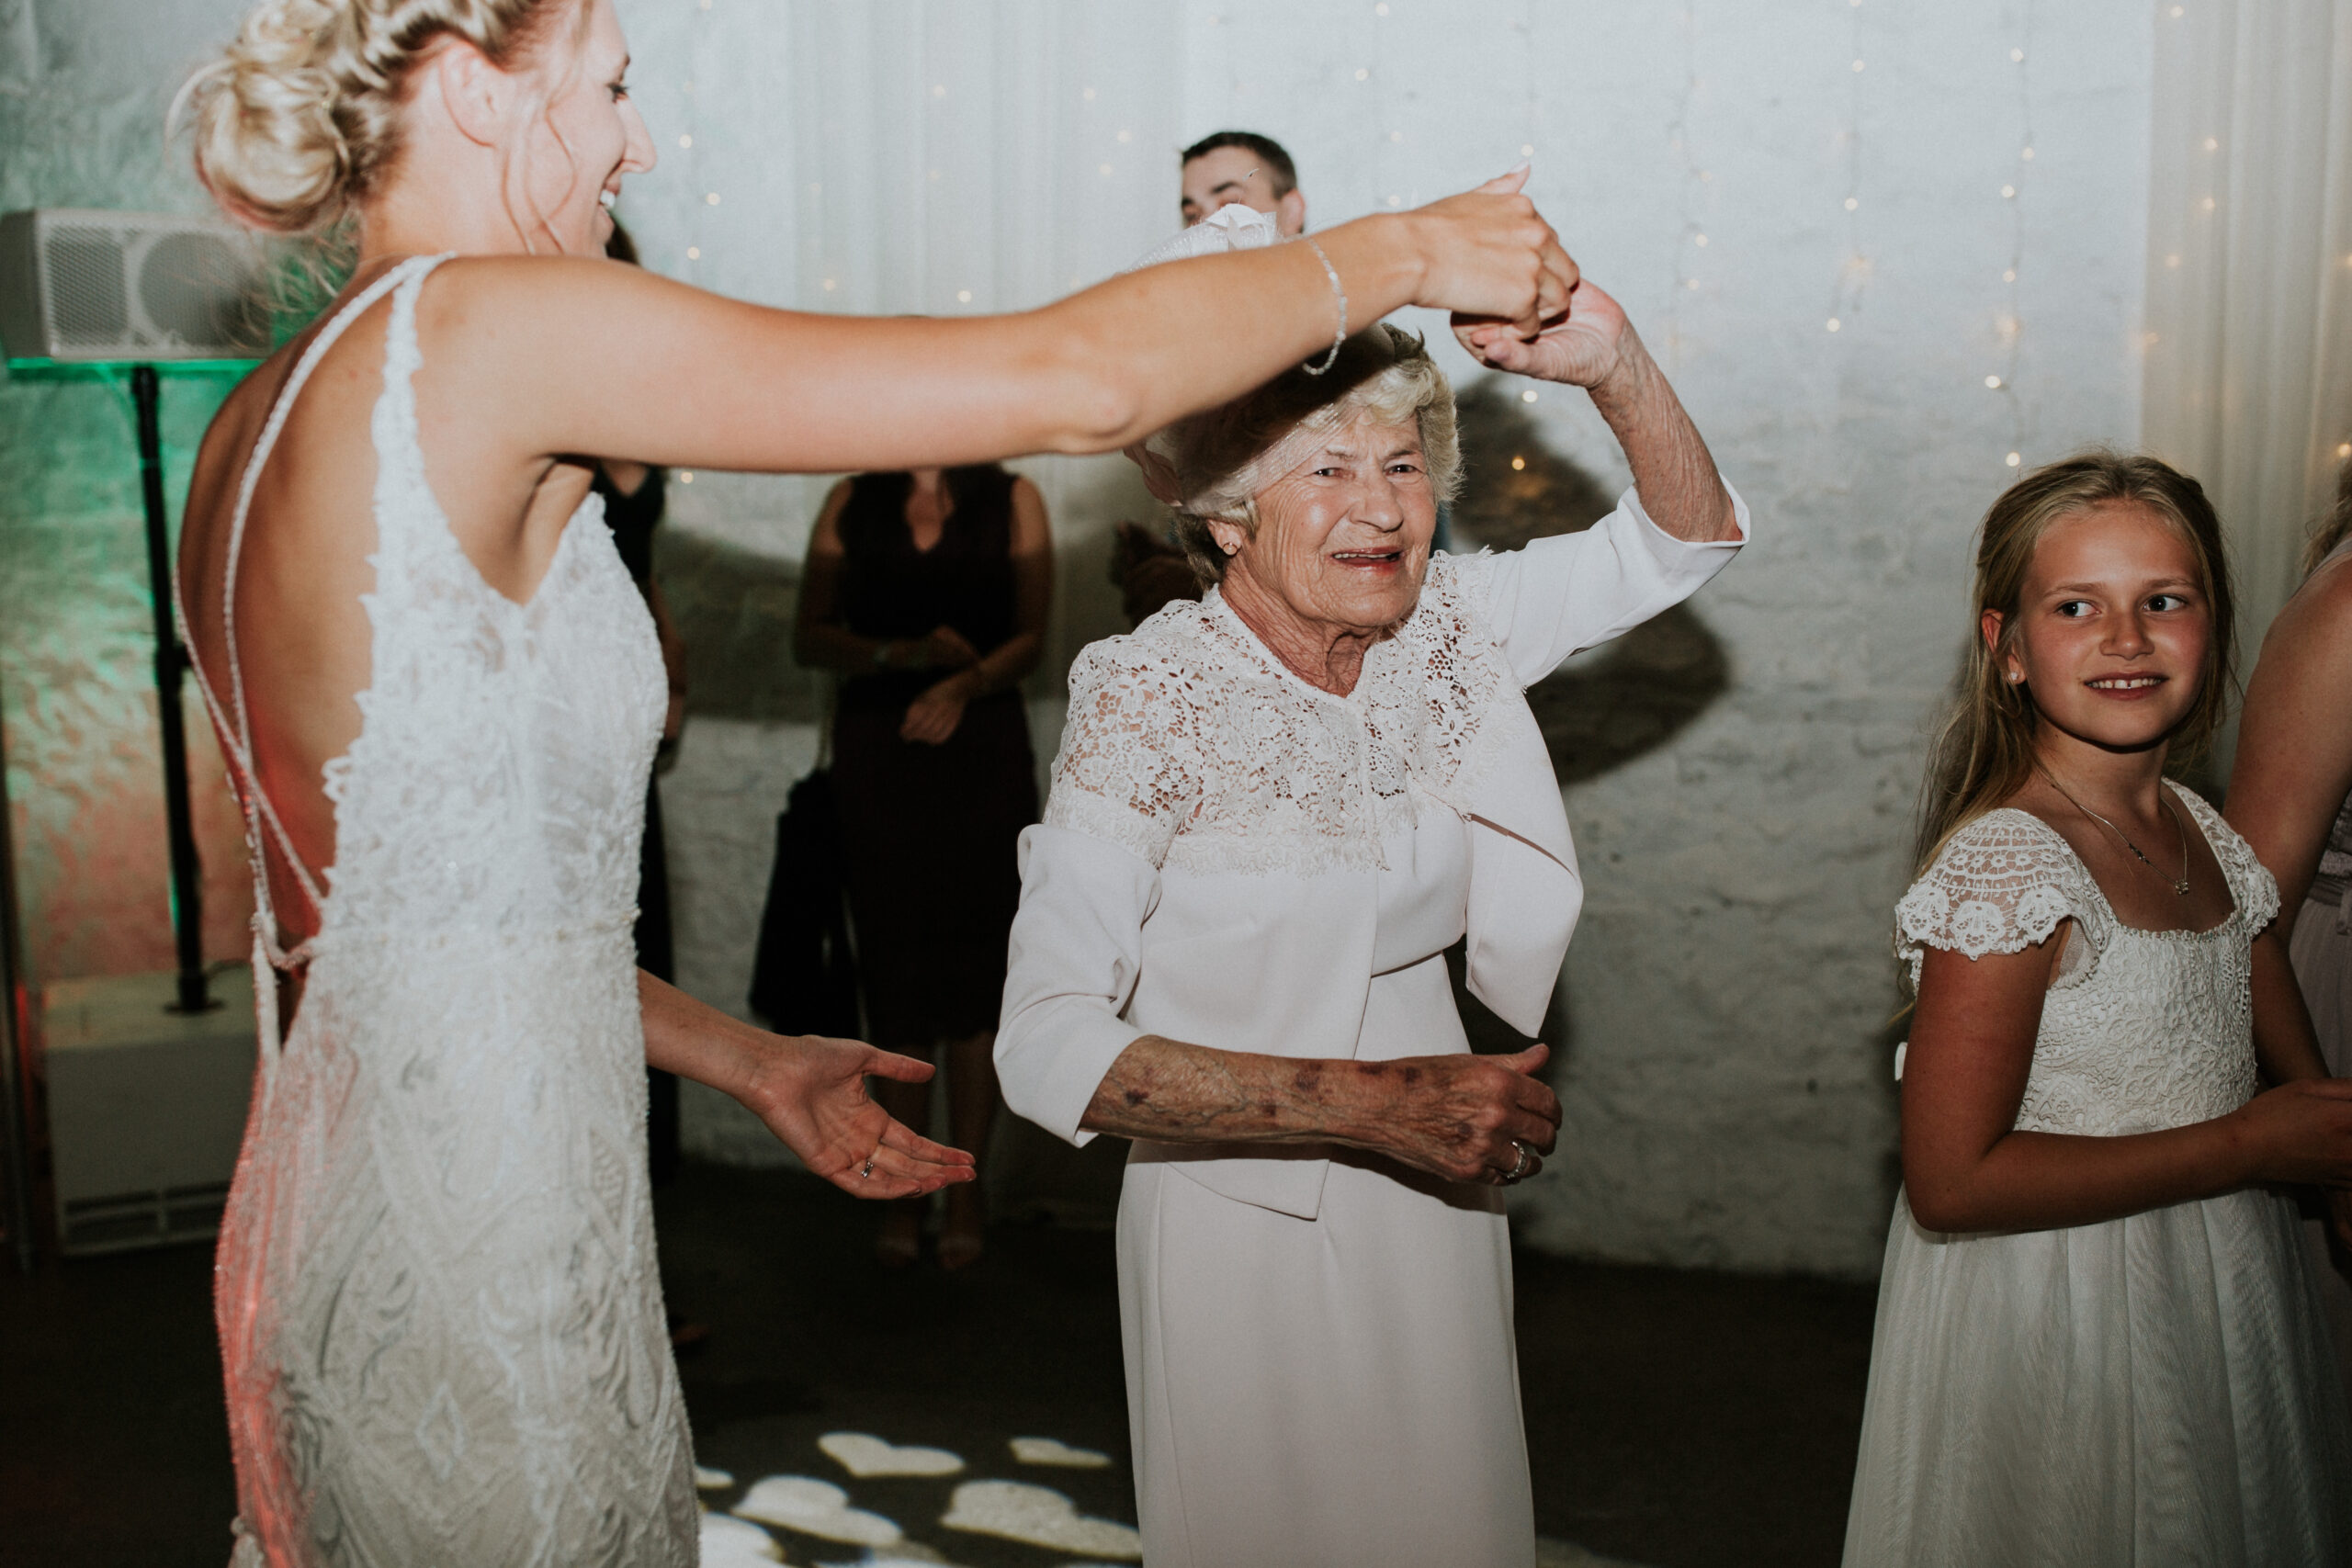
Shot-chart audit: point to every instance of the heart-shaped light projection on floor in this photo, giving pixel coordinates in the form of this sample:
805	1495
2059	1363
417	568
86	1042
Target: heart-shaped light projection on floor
732	1543
863	1455
815	1507
1038	1516
709	1480
1053	1450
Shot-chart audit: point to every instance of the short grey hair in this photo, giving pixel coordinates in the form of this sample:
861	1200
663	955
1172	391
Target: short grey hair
1214	463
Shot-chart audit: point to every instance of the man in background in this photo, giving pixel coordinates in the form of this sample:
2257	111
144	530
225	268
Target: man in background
1242	165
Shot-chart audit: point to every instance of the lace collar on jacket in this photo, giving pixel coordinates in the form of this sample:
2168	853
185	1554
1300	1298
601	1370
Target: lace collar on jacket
1189	743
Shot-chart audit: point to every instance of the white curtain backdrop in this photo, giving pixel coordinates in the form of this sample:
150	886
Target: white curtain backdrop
2249	284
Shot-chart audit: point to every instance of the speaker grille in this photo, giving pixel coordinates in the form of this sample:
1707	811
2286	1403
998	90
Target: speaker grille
85	297
195	287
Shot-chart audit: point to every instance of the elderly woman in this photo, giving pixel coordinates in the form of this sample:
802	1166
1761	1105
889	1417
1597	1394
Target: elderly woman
1272	812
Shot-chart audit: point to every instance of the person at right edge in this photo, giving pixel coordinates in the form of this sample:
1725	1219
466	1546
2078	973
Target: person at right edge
2290	796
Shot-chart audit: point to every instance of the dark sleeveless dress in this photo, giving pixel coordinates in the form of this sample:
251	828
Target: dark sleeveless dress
928	832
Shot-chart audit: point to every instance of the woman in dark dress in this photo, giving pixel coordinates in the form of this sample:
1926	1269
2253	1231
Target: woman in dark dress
928	591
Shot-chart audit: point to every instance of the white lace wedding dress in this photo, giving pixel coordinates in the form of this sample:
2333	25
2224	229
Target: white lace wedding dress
2153	1389
439	1313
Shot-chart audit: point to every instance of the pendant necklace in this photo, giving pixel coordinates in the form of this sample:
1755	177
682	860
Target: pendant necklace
2179	884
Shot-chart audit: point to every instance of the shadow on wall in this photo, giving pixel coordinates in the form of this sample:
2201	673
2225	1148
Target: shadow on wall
735	607
1653	680
1596	715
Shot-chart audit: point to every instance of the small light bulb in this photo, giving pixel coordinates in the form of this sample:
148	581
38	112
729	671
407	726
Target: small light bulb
693	252
828	286
2013	459
2213	144
1852	202
1125	137
1362	75
1106	171
685	140
1993	381
1835	324
712	199
939	89
1700	241
2008	274
2344	449
1396	136
1527	149
2027	153
1380	9
1858	68
962	296
2209	204
1396	201
2177	10
686	476
1518	463
2008	192
1527	395
2018	55
1691	284
1088	93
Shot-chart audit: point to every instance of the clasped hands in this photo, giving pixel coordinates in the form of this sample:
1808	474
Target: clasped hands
933	717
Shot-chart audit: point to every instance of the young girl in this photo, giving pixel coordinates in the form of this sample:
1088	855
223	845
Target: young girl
2099	1340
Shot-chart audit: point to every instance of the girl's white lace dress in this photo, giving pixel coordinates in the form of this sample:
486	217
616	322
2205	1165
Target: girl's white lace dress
440	1320
2156	1389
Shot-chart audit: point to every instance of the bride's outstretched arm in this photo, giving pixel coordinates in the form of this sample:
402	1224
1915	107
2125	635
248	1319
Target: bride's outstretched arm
808	1090
583	355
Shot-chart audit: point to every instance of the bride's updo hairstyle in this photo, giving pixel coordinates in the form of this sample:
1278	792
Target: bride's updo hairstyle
299	119
1214	464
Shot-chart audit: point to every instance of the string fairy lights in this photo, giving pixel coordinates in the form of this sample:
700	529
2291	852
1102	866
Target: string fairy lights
1854	270
2009	326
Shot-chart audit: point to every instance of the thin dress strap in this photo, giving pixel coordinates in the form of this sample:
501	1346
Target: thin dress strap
262	822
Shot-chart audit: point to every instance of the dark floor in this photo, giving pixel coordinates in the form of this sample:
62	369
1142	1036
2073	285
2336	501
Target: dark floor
1674	1418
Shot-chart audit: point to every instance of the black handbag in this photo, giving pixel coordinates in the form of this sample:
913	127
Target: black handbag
804	976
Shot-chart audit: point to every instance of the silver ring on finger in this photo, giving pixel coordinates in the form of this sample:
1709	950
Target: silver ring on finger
868	1174
1520	1167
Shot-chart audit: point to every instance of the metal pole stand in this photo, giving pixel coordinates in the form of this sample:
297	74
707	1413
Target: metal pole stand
171	663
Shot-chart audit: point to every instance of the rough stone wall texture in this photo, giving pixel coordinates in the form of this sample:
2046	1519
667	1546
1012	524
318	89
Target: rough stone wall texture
1723	1018
83	85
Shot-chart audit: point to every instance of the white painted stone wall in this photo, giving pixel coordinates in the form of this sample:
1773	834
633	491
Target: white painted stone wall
1724	1017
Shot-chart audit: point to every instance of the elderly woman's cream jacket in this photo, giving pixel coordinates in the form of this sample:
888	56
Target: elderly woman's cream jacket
1208	869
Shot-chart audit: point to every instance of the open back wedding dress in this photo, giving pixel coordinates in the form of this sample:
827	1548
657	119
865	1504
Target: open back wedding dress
440	1319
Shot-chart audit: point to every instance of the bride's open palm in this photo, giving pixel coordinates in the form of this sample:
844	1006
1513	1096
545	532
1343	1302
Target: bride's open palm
814	1098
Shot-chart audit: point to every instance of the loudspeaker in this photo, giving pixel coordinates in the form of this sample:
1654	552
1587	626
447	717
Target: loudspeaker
131	285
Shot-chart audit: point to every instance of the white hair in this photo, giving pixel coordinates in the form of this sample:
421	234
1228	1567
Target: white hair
1215	464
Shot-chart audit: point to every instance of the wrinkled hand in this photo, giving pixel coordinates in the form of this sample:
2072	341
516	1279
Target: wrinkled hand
1582	348
2302	1132
810	1091
931	717
946	648
1456	1116
1489	254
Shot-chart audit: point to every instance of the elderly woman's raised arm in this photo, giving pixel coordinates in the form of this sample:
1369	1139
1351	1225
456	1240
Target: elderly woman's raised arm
1676	528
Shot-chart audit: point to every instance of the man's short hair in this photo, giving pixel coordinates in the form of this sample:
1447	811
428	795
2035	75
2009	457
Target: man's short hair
1279	168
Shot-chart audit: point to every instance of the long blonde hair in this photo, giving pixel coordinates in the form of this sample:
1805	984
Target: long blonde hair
1984	752
299	118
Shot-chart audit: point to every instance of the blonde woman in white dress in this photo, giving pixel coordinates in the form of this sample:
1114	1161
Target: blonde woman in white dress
440	1317
1272	812
2099	1340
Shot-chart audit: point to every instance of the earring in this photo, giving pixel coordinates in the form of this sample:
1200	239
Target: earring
2016	676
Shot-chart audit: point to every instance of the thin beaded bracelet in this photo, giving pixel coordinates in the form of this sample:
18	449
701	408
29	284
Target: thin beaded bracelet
1340	335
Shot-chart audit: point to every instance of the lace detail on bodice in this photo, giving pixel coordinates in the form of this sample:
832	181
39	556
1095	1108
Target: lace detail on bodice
530	727
2141	1030
1189	743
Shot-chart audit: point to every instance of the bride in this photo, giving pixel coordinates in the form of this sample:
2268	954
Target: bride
440	1317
